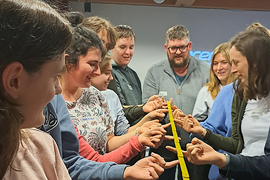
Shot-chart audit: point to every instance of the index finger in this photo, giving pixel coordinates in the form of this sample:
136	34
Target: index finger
158	159
166	125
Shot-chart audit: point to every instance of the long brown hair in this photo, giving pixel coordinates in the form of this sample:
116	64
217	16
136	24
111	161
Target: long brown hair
214	83
254	44
32	33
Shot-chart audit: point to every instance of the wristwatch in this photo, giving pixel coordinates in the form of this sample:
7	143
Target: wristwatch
227	161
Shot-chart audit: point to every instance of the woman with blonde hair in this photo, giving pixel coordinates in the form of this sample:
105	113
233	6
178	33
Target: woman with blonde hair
220	75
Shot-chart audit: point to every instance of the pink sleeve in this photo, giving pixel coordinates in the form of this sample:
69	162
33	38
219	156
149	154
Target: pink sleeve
120	156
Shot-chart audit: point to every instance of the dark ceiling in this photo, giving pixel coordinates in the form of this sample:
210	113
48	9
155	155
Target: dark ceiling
257	5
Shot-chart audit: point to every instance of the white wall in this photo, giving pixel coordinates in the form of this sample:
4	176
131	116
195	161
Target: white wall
208	27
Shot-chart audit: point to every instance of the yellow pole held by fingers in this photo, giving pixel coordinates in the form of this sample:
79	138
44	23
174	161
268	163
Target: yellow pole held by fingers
180	155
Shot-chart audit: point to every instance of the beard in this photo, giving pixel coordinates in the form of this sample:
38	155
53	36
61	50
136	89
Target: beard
180	64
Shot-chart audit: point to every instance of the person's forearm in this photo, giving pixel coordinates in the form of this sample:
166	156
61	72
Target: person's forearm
202	132
217	141
133	113
220	160
124	153
139	124
117	141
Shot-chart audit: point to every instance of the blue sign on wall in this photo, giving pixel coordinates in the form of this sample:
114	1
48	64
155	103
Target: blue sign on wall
202	55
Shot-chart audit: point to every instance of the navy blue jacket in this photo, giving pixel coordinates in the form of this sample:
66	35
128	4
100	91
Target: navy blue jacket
244	167
59	125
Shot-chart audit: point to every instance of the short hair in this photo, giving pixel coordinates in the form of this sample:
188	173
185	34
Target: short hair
254	44
177	32
124	31
98	24
214	83
84	39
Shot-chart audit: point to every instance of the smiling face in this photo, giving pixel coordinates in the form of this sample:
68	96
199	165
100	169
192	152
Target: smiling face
37	90
101	82
123	51
221	68
239	64
178	59
86	69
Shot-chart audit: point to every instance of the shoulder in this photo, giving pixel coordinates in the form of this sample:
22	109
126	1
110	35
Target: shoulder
204	90
93	90
131	71
204	94
227	90
38	138
108	93
158	65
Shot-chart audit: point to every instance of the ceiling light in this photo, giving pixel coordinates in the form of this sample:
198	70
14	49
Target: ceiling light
159	1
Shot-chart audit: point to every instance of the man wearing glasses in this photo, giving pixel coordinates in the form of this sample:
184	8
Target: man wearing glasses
180	77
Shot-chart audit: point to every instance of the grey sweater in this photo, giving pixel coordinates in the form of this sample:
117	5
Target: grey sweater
160	79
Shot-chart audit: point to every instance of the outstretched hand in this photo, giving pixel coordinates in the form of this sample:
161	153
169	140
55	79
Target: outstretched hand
153	103
146	169
188	123
198	152
154	136
165	105
156	114
148	125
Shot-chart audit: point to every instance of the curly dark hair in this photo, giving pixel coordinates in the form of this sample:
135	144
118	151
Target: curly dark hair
83	40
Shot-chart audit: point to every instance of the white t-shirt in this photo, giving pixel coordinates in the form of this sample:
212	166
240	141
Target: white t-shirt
255	126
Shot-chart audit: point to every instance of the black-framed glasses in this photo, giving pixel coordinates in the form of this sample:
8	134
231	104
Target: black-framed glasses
182	49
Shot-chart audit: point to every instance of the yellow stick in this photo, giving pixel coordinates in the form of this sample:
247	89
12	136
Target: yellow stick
180	155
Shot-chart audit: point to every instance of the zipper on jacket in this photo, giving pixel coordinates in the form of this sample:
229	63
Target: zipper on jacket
178	90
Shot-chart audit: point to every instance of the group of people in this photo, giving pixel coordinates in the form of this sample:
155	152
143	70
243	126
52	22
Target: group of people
68	75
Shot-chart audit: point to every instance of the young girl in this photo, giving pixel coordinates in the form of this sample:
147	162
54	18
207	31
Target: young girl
33	40
220	75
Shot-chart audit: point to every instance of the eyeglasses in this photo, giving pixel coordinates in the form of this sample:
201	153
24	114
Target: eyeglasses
174	49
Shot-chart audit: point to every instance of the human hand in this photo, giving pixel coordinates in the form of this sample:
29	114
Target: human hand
154	136
153	103
198	152
146	169
189	124
165	105
178	115
148	125
156	114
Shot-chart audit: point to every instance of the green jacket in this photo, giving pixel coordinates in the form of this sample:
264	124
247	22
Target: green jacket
233	144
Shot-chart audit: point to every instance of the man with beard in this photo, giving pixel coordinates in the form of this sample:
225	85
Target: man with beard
180	78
